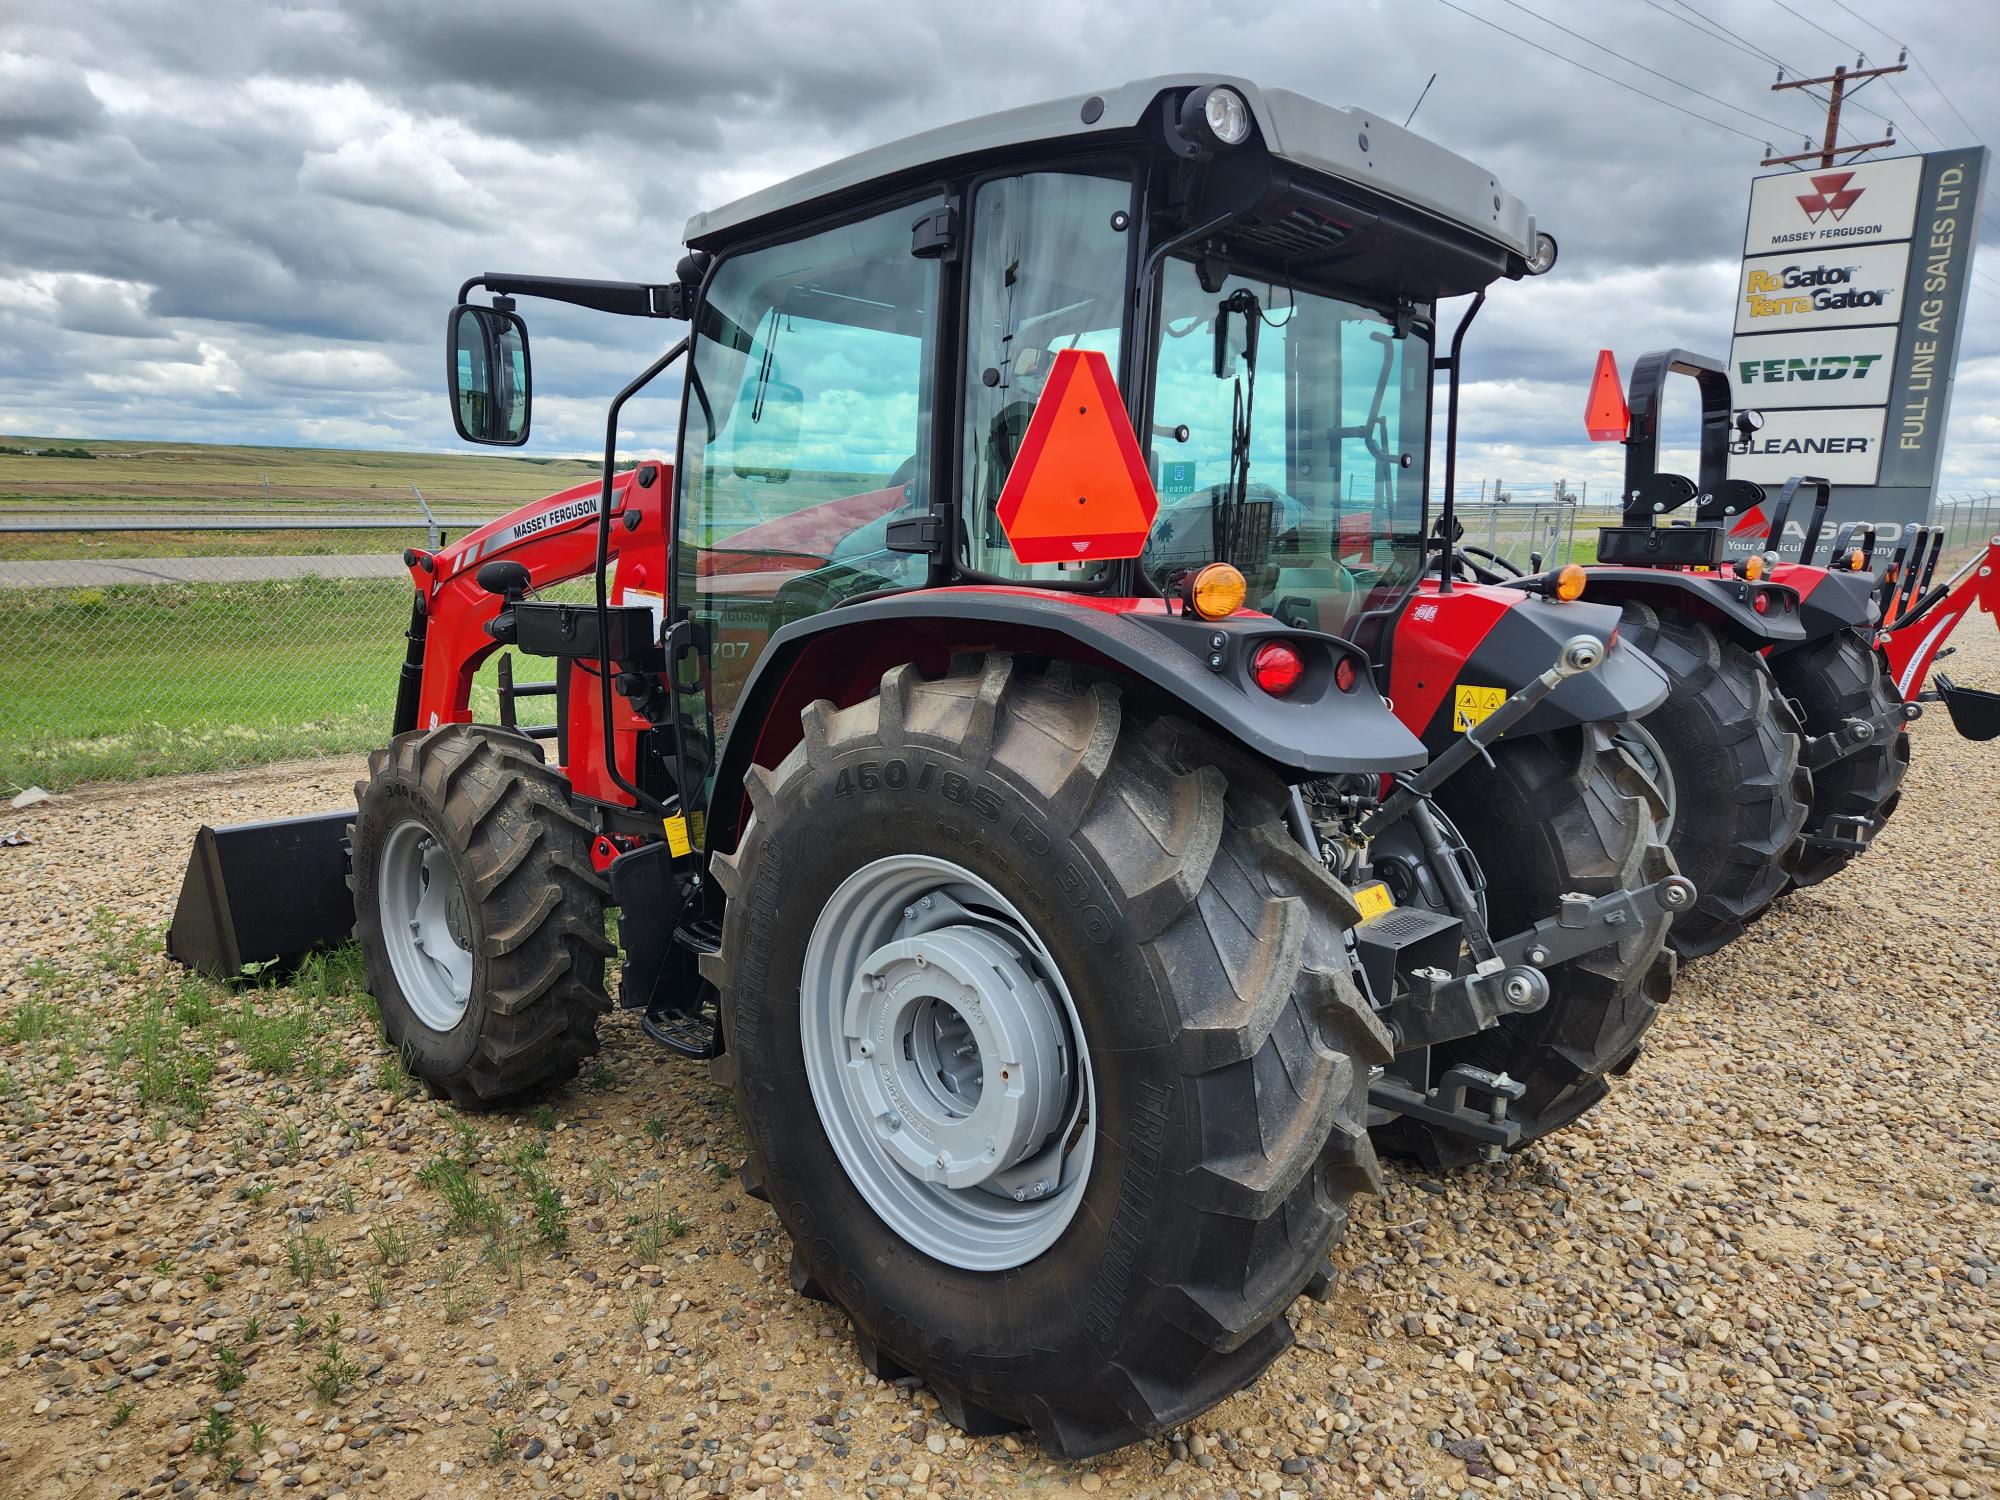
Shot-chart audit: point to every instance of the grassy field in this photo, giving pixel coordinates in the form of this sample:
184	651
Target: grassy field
119	475
100	684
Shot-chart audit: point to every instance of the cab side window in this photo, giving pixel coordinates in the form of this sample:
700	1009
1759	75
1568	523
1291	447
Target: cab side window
1047	273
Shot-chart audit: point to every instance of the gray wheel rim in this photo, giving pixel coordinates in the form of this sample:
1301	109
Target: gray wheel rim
1637	741
947	1062
424	926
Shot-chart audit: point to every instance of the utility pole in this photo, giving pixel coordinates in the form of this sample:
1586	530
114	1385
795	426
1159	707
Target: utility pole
1843	81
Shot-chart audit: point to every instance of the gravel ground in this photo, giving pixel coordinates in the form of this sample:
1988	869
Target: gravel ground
238	1255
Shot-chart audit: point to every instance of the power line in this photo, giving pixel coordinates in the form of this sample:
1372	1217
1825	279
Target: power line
1935	86
1817	27
1761	119
1757	50
1621	83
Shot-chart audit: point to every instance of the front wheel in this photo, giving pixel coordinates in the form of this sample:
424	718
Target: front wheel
1045	1038
480	919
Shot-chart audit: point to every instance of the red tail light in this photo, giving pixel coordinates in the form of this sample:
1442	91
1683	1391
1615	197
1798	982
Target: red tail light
1277	667
1344	674
1761	602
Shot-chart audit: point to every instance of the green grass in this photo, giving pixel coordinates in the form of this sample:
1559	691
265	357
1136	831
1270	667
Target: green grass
150	680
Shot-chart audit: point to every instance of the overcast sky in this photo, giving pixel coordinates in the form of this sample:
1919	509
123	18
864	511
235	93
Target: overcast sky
245	223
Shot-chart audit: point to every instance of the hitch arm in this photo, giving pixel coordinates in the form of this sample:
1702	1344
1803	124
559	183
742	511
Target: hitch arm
1445	1106
1435	1008
1580	653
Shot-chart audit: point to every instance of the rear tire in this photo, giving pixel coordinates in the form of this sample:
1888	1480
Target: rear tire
1225	1044
512	1008
1555	813
1730	745
1832	681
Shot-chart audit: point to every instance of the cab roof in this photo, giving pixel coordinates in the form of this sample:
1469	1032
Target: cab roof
1350	144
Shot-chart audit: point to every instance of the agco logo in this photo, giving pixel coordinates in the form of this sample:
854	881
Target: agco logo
1831	195
1796	290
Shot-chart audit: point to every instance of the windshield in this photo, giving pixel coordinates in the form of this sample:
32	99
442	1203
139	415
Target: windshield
1289	438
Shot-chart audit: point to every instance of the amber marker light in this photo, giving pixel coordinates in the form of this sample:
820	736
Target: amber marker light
1856	561
1216	592
1570	580
1751	569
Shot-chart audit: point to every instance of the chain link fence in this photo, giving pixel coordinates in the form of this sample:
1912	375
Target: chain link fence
158	641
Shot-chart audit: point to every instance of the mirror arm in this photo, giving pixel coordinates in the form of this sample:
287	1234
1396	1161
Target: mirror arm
629	299
644	378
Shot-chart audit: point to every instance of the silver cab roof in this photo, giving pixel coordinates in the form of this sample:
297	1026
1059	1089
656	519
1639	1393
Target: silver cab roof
1320	137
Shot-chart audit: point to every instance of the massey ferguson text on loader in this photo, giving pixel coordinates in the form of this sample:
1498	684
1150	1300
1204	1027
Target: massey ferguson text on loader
1007	808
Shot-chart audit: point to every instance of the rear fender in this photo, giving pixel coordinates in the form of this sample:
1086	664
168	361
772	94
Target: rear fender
1829	601
841	655
1494	637
1713	598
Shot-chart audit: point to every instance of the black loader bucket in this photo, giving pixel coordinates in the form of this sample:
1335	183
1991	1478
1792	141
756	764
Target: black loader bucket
1975	713
263	892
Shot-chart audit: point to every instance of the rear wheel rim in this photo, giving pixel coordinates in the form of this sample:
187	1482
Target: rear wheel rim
947	1062
1637	741
424	928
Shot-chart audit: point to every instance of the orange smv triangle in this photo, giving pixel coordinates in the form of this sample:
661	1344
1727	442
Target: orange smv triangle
1078	489
1606	417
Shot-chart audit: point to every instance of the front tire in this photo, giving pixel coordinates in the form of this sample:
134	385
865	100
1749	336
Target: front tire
1724	749
1548	815
480	918
1141	877
1834	680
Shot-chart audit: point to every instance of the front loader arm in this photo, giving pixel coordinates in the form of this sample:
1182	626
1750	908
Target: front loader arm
1914	641
555	538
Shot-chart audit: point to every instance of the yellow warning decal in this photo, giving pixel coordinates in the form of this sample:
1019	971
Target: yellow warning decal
698	826
1374	900
677	836
1472	704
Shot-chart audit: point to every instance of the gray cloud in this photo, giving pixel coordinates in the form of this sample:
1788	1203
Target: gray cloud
245	222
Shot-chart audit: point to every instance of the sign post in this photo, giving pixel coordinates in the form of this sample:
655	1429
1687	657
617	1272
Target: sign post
1849	311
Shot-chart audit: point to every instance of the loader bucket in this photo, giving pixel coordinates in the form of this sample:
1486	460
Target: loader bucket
1975	713
259	893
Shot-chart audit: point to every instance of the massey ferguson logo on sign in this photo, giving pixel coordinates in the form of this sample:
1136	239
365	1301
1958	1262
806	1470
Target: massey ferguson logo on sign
1857	205
1831	195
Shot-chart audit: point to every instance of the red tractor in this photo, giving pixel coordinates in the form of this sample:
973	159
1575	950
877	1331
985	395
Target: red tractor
1013	811
1791	681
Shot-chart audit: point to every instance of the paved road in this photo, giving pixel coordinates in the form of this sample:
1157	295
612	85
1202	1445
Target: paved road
91	573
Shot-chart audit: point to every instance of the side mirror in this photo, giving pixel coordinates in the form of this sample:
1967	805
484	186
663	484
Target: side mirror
487	373
765	432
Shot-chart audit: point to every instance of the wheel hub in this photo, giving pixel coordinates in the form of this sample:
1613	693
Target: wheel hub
946	1062
424	926
956	1047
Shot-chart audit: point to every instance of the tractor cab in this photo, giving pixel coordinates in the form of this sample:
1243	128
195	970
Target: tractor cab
1258	271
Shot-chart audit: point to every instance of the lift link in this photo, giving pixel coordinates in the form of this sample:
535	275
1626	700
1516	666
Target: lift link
1822	750
1434	1008
1580	653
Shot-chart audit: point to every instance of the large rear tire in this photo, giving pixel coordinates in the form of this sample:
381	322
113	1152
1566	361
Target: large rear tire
1724	749
480	918
1834	680
1156	924
1552	814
